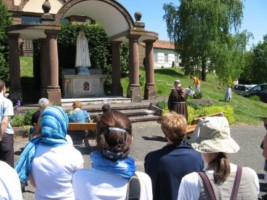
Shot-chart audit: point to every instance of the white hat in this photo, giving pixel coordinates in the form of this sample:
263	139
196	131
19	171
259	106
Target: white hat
212	135
43	102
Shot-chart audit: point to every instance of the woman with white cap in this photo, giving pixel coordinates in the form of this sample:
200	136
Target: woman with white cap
177	99
221	179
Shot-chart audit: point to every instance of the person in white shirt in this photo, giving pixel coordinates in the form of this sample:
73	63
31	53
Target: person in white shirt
48	161
6	131
212	138
112	167
9	183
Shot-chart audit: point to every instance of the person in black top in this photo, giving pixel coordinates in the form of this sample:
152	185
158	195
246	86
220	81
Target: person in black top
167	166
177	99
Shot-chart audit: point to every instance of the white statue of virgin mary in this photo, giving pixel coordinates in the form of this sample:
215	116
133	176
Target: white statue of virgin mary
82	61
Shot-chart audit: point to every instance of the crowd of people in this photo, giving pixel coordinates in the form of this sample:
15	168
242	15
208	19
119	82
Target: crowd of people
195	168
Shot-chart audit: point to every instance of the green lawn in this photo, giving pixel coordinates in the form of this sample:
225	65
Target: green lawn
246	110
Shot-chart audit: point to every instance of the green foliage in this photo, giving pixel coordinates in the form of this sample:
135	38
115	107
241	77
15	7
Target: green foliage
99	46
26	64
198	95
124	55
255	98
17	120
228	112
197	106
200	29
229	57
256	65
5	20
162	105
192	114
28	116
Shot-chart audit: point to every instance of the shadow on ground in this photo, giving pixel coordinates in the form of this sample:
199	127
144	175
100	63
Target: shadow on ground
155	138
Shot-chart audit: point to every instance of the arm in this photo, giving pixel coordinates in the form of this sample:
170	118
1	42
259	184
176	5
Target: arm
4	124
189	187
170	101
183	94
264	153
32	181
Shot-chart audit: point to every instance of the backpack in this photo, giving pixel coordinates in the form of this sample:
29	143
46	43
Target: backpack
133	188
207	184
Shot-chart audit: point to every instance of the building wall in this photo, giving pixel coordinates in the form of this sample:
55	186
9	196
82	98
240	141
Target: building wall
165	58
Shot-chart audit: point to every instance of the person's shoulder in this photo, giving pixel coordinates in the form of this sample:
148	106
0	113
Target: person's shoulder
6	170
192	177
7	101
70	150
83	172
154	154
142	175
249	171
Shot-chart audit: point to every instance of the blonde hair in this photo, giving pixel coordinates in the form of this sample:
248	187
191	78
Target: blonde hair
77	104
174	126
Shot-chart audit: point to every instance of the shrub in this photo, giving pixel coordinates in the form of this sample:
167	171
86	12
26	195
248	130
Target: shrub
162	105
198	95
28	116
17	120
228	112
192	114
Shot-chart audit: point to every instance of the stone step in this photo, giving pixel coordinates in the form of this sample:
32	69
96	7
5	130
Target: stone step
144	118
98	100
138	111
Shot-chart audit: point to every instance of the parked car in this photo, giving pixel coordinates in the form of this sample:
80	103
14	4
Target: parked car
256	90
239	88
263	96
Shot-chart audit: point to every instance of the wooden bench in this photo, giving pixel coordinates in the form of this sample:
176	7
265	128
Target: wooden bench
191	127
91	126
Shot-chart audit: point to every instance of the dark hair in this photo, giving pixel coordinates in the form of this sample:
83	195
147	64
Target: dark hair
2	85
221	166
105	108
114	141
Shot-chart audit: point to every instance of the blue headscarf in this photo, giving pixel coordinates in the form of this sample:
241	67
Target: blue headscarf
54	125
123	167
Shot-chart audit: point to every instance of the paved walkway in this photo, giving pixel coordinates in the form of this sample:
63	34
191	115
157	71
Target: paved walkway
148	137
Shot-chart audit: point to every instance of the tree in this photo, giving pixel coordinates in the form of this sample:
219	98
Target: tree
256	69
229	58
5	20
199	28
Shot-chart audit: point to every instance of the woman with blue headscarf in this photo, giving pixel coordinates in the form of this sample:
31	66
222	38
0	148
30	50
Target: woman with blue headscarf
48	161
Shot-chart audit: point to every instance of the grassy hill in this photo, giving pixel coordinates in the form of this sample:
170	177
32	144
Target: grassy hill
246	110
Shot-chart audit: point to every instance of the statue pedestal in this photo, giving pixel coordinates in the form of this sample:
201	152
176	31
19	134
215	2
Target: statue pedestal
82	86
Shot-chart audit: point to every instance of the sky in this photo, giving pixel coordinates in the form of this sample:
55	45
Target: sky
254	16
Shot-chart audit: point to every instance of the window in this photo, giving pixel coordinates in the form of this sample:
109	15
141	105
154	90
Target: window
176	58
165	57
156	57
30	19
